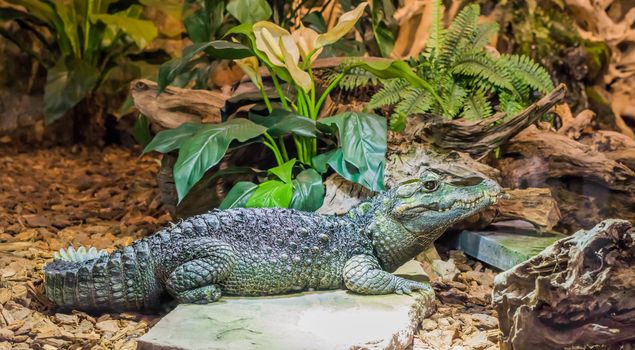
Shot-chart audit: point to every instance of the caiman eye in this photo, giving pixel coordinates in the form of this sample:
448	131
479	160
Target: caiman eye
430	185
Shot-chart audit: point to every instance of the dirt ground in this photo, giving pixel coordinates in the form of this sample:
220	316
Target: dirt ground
52	198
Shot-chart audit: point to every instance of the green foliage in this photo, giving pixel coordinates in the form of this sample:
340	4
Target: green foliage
356	142
457	77
360	156
89	39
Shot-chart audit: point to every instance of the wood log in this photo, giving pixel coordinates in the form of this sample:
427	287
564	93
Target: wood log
534	205
175	106
479	137
577	292
587	183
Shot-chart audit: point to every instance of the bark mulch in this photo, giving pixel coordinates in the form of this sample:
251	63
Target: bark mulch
52	198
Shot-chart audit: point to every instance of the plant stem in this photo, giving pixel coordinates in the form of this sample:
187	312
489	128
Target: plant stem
266	98
298	147
276	83
283	148
326	93
271	143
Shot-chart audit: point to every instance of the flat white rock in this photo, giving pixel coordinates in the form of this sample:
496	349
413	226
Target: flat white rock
313	320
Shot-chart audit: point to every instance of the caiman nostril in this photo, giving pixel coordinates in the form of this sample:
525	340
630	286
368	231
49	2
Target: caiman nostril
467	181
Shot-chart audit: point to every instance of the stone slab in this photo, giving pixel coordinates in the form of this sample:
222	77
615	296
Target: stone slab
505	246
312	320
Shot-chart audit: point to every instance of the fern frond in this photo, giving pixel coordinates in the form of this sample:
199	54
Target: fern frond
484	33
527	72
461	33
353	79
509	104
436	39
476	106
483	66
390	94
453	99
414	101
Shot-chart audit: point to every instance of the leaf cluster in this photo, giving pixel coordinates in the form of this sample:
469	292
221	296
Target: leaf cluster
82	44
469	81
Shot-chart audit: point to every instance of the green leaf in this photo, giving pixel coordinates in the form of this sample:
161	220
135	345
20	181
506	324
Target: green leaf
141	130
249	11
207	147
281	122
271	194
390	69
284	171
66	86
476	106
219	49
363	146
238	196
169	140
142	32
308	191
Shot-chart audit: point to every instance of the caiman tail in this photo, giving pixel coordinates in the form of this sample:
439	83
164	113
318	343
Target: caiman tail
90	280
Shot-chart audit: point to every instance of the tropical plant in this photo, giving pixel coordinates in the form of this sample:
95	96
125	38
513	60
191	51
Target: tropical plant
80	42
470	81
354	143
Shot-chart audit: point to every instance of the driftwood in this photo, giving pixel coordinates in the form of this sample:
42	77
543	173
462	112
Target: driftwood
590	179
534	205
479	137
175	106
579	291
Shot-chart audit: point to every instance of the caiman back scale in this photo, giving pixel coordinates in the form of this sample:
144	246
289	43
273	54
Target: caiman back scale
252	252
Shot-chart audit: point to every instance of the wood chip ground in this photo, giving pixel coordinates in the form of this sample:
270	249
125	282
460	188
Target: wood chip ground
107	198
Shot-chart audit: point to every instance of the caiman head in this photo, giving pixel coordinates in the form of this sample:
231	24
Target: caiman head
437	200
406	219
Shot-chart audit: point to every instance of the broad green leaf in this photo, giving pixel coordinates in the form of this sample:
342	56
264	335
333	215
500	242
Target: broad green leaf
141	130
281	122
335	159
142	32
219	49
67	85
249	11
308	191
363	146
238	196
271	194
207	147
284	171
169	140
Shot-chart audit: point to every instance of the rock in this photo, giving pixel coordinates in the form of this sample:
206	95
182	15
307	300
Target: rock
445	269
484	321
504	247
315	320
478	341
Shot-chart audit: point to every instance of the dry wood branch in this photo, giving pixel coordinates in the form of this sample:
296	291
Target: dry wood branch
591	179
578	291
535	156
479	137
176	106
534	205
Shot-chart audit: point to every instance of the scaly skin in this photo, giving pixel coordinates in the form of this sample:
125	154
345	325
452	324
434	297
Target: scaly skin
251	252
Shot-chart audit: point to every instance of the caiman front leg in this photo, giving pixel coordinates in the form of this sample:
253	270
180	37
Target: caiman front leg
203	264
363	275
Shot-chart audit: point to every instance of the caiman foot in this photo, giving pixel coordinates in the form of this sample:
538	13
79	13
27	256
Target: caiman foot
202	295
